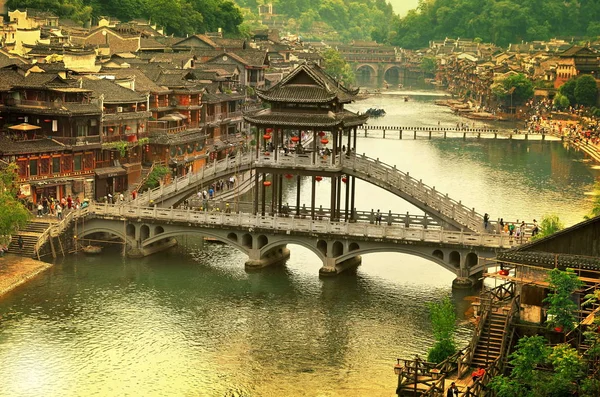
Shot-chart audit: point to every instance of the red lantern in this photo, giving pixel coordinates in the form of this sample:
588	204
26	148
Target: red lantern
110	129
269	130
318	178
143	106
47	120
147	148
267	153
344	179
266	137
295	139
128	128
289	176
321	133
324	141
267	183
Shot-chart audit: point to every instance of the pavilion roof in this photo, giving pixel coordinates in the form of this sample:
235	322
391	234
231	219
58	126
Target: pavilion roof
308	83
269	117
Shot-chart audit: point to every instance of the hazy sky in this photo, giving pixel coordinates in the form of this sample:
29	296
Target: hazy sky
402	6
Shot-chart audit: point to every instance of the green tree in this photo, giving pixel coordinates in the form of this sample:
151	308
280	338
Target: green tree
13	214
561	102
550	224
561	307
428	65
568	90
337	67
154	177
443	322
586	90
539	370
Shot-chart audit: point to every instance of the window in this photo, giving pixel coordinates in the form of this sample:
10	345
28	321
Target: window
22	168
45	166
56	165
82	130
88	161
33	167
77	163
67	163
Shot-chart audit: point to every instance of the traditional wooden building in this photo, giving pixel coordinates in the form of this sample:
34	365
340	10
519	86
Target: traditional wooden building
306	102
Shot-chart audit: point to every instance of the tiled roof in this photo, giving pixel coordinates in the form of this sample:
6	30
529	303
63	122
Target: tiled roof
113	93
308	83
9	78
44	145
43	80
143	83
324	120
150	42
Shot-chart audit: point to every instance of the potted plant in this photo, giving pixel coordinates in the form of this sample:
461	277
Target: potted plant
561	306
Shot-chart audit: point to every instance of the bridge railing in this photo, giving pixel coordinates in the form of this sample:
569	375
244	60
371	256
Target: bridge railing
244	220
416	188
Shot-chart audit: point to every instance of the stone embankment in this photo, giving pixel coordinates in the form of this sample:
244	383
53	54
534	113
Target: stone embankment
16	270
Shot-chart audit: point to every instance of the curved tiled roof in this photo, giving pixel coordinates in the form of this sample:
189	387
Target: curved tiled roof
308	83
268	117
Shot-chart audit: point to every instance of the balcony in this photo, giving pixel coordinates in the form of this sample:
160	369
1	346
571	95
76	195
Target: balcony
79	140
33	104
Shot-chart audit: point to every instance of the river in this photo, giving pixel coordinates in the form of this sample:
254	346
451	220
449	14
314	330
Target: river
192	322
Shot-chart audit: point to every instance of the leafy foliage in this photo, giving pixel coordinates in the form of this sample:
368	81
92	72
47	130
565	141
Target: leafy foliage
154	177
540	370
497	21
561	102
586	90
178	16
13	215
550	224
337	67
515	89
561	307
443	322
347	19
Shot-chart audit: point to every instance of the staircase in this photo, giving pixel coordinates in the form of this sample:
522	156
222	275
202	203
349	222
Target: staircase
489	345
30	234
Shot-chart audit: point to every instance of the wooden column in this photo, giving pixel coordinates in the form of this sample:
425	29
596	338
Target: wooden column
256	191
263	198
312	197
314	147
339	198
347	196
298	195
353	188
332	207
279	192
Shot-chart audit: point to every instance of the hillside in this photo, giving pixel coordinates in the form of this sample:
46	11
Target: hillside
498	21
180	17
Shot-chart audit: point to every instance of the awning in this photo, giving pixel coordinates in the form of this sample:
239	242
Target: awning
24	127
170	117
109	172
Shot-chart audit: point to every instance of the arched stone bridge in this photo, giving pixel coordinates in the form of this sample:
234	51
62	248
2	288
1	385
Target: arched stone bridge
264	238
452	214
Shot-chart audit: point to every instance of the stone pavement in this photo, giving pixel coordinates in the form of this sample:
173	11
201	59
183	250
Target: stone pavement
16	270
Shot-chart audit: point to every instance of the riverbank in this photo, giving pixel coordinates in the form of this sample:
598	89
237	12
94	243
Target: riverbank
16	270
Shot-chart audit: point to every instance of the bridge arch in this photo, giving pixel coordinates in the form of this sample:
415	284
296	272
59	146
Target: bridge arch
471	260
337	249
393	74
119	234
130	230
247	241
290	240
400	250
158	230
144	232
203	232
366	73
454	259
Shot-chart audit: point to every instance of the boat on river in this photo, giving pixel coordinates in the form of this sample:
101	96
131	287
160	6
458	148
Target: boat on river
92	250
375	112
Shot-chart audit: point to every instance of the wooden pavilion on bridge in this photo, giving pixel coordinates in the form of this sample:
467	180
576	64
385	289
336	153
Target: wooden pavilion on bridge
306	101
